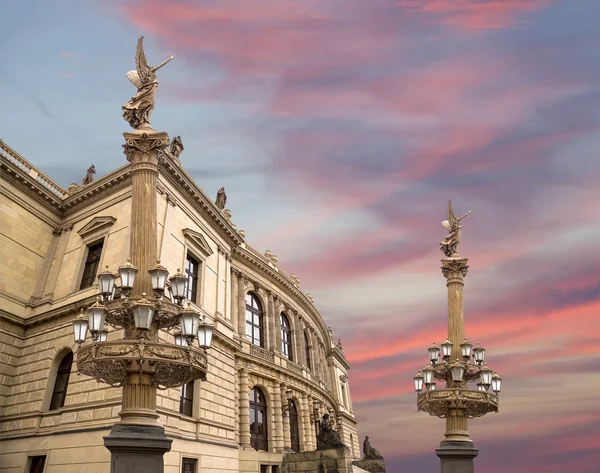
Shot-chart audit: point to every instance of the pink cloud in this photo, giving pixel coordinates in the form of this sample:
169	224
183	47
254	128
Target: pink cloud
69	55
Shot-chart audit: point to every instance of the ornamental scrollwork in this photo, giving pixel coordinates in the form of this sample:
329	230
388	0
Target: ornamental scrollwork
474	403
452	268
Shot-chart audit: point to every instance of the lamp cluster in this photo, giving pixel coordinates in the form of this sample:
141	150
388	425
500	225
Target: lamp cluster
457	373
146	314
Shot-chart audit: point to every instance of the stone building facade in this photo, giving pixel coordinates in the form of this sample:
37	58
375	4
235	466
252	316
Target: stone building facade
269	338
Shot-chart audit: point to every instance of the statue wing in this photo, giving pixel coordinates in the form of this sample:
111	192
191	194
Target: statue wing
141	64
451	218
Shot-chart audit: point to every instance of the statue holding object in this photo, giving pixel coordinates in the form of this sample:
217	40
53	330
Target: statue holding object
138	110
449	245
327	437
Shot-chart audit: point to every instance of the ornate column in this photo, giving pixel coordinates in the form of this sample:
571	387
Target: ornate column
278	418
244	410
307	425
287	440
455	270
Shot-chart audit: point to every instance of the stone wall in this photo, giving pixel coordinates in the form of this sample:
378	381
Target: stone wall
337	460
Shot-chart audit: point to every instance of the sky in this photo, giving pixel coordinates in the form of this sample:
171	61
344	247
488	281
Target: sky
340	129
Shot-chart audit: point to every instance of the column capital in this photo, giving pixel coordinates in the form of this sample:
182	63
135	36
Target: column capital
142	147
454	268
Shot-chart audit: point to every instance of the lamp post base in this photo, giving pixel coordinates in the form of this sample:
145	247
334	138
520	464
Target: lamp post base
457	457
137	448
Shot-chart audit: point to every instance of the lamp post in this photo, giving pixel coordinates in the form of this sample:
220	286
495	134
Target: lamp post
458	365
140	363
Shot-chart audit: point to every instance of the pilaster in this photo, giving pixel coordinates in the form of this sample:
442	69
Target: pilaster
287	440
244	410
278	418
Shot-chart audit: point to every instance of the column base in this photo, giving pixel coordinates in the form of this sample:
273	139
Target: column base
137	448
457	457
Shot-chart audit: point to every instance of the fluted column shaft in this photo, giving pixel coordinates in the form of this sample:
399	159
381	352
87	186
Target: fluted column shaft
234	298
244	410
307	424
278	419
287	440
455	270
241	307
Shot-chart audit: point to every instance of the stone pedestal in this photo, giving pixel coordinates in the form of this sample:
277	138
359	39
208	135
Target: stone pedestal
457	457
137	448
371	465
334	460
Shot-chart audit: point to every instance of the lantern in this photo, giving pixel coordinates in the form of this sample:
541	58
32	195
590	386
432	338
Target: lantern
481	387
127	272
178	338
479	354
457	372
418	382
205	334
143	312
106	283
434	353
447	349
96	316
189	320
158	276
289	394
466	348
486	376
432	386
103	335
178	284
496	383
428	373
80	328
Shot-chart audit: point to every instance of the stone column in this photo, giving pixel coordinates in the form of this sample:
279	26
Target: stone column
244	411
138	443
454	270
299	354
277	419
287	439
271	325
241	307
56	264
234	298
307	425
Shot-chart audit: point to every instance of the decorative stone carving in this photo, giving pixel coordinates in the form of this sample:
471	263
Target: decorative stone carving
242	233
137	111
369	451
449	245
442	401
72	189
328	437
454	268
343	378
141	148
295	280
221	199
310	297
176	146
198	240
339	345
227	214
271	258
89	176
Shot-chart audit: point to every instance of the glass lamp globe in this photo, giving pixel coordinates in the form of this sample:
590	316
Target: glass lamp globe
434	353
143	313
447	349
457	372
479	354
496	383
205	334
106	283
466	349
486	376
127	272
418	379
103	336
481	387
188	321
158	276
428	373
96	316
178	285
432	386
80	328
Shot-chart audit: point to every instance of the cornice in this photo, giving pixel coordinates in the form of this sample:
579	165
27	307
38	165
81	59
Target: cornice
281	279
51	314
179	178
108	183
339	356
23	181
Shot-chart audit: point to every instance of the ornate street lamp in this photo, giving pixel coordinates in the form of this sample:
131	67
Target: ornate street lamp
178	286
96	317
80	328
158	276
106	283
288	394
127	272
457	402
205	334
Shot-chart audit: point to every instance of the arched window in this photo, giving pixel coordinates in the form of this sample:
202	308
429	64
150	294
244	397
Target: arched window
59	393
254	320
286	337
307	351
258	420
294	427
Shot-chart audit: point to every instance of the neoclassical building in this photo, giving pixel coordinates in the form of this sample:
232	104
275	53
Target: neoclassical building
273	361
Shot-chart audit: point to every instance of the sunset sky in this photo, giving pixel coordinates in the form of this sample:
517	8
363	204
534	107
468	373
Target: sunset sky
340	128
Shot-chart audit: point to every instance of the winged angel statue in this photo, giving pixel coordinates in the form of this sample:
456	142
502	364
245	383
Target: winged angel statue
138	110
449	245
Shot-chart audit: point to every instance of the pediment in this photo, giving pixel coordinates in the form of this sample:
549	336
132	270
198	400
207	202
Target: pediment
97	223
198	240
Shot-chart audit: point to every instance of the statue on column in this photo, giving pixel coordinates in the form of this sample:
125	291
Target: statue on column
176	146
327	437
369	451
449	245
89	176
221	199
138	110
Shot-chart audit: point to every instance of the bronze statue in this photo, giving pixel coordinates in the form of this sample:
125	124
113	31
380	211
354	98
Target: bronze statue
327	437
370	452
89	176
449	245
176	146
221	199
138	110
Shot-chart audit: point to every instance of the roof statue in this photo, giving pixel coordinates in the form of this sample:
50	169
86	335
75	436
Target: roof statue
369	451
221	199
176	146
89	176
449	245
138	110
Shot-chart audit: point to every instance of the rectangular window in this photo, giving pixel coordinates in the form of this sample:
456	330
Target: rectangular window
189	465
191	271
91	265
186	401
36	464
